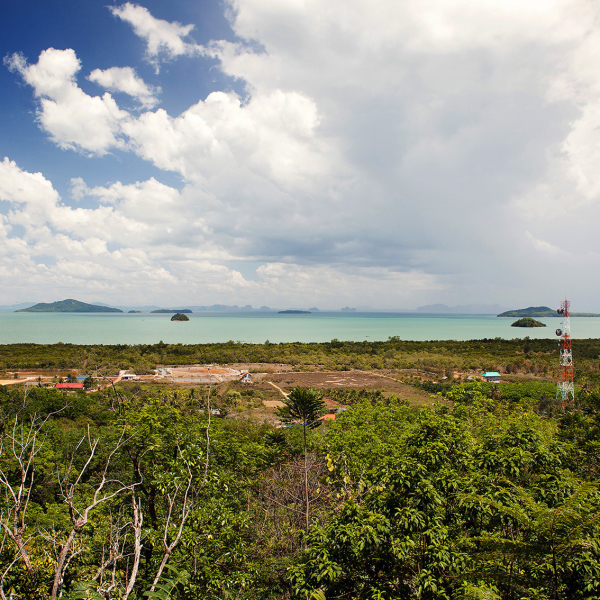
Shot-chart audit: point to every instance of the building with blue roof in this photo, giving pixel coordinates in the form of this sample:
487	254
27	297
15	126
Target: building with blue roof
492	377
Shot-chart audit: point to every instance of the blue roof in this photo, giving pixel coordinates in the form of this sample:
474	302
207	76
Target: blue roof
491	374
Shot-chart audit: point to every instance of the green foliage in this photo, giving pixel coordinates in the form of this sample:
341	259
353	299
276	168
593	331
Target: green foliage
349	396
491	495
180	317
304	405
527	322
436	357
413	532
85	590
170	588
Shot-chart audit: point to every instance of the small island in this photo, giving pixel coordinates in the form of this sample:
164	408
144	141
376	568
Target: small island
170	311
293	312
70	306
541	311
528	322
180	317
134	312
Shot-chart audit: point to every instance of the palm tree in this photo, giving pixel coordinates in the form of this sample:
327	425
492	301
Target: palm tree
306	406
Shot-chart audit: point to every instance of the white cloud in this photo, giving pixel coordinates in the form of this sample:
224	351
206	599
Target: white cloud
272	136
72	118
333	286
381	146
164	40
144	221
543	246
149	223
125	79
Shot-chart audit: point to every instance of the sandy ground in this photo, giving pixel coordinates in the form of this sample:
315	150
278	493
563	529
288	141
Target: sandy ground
199	374
335	379
262	367
387	383
273	403
278	388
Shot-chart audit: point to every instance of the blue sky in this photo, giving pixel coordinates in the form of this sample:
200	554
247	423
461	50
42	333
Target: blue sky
101	41
300	153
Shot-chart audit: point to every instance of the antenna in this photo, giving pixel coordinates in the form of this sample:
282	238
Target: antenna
565	390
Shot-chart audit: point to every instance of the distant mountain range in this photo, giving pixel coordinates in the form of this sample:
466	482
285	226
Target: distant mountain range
541	311
439	309
69	306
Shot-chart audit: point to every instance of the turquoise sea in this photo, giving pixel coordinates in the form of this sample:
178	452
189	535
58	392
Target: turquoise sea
255	327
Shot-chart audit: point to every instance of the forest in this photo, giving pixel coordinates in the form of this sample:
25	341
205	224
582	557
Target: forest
526	356
491	491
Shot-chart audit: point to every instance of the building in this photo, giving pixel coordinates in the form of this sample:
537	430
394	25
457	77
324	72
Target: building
245	377
129	377
492	377
327	417
69	386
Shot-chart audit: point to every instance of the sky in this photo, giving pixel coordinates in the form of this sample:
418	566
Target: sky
297	153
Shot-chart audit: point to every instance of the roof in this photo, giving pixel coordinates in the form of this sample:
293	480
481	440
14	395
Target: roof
69	386
491	374
326	417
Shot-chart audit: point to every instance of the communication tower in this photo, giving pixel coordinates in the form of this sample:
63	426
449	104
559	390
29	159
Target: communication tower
565	390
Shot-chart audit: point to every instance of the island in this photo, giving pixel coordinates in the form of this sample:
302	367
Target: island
528	322
180	317
134	312
541	311
293	312
69	306
170	311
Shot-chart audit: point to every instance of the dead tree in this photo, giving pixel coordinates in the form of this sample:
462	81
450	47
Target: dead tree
20	447
69	481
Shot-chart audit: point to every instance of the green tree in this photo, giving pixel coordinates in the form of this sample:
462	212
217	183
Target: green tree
306	406
556	547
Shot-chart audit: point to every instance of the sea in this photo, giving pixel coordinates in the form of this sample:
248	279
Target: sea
258	327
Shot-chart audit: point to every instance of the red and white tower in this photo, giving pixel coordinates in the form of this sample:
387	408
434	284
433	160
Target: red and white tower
565	390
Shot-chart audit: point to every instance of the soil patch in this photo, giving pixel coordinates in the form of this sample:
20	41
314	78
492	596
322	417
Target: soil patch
350	379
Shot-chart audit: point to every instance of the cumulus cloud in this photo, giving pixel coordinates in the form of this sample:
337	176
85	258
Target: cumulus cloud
272	135
72	118
383	146
144	239
126	80
164	40
126	242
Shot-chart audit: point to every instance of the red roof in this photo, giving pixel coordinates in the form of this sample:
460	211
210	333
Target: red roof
326	417
69	386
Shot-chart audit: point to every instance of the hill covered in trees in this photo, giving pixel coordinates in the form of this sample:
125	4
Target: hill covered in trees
491	493
528	322
541	311
69	305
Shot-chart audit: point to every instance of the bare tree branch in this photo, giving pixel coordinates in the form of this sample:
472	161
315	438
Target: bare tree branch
79	518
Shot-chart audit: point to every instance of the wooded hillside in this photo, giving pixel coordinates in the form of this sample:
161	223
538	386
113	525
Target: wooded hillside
491	493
